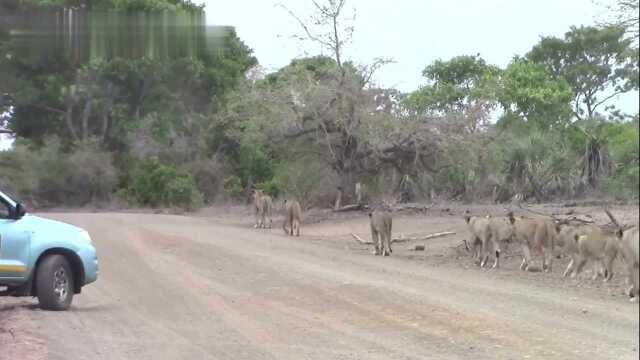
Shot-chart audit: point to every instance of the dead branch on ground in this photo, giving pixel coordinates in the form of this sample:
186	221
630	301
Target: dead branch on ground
352	207
403	239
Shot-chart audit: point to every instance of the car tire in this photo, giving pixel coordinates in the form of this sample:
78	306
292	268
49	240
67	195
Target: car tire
54	283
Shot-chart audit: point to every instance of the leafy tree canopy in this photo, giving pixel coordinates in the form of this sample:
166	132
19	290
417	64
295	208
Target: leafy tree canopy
598	64
456	84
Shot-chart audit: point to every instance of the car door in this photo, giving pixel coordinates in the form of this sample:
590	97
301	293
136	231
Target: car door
14	244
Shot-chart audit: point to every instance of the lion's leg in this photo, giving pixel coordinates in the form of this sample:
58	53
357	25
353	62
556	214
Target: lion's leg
496	248
390	237
386	242
633	290
477	249
526	257
609	268
598	269
569	267
579	267
376	241
485	252
257	216
547	259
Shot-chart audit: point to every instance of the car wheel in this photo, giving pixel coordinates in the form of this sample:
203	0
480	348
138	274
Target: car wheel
54	283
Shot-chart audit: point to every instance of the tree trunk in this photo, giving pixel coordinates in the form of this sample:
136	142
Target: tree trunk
106	112
85	118
358	193
69	120
338	204
348	186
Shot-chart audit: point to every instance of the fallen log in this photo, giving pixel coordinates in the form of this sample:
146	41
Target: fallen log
613	219
617	225
412	207
425	237
556	218
361	240
573	219
403	239
351	207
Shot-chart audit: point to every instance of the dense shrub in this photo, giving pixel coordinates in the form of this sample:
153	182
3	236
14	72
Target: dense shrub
209	178
49	175
307	180
233	186
254	164
157	184
624	146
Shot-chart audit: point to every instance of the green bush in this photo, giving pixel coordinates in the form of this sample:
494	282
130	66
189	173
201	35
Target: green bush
254	163
624	184
157	184
182	192
270	187
209	177
233	186
625	152
308	180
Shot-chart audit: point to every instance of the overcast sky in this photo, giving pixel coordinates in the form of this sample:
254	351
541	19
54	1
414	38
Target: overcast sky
413	32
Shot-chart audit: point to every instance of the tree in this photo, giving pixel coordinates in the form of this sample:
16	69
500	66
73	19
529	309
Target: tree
596	62
331	104
529	92
624	14
464	84
111	82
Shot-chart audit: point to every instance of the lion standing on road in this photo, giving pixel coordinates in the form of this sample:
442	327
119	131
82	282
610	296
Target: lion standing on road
262	204
293	217
629	244
534	234
381	232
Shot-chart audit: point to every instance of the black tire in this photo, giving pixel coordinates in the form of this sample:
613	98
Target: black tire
54	283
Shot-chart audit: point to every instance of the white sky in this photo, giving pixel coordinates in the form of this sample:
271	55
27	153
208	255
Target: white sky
413	32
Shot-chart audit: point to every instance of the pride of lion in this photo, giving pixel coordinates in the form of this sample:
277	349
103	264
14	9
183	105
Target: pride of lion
545	237
542	237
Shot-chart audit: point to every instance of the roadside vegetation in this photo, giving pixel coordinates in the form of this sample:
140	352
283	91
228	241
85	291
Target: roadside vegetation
185	116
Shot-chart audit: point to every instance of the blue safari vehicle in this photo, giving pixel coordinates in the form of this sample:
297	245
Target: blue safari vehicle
44	258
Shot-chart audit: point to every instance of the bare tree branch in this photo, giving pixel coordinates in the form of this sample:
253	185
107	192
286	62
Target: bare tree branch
304	26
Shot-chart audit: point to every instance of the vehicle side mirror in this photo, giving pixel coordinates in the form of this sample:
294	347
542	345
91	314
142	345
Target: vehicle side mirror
19	211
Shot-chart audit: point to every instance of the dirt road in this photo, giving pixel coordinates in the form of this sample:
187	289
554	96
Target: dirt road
174	287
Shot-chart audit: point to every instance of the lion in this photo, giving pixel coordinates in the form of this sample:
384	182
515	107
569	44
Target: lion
293	217
534	234
629	241
500	232
381	223
488	233
585	243
262	204
479	229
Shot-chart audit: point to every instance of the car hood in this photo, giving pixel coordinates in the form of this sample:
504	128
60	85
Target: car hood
39	224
